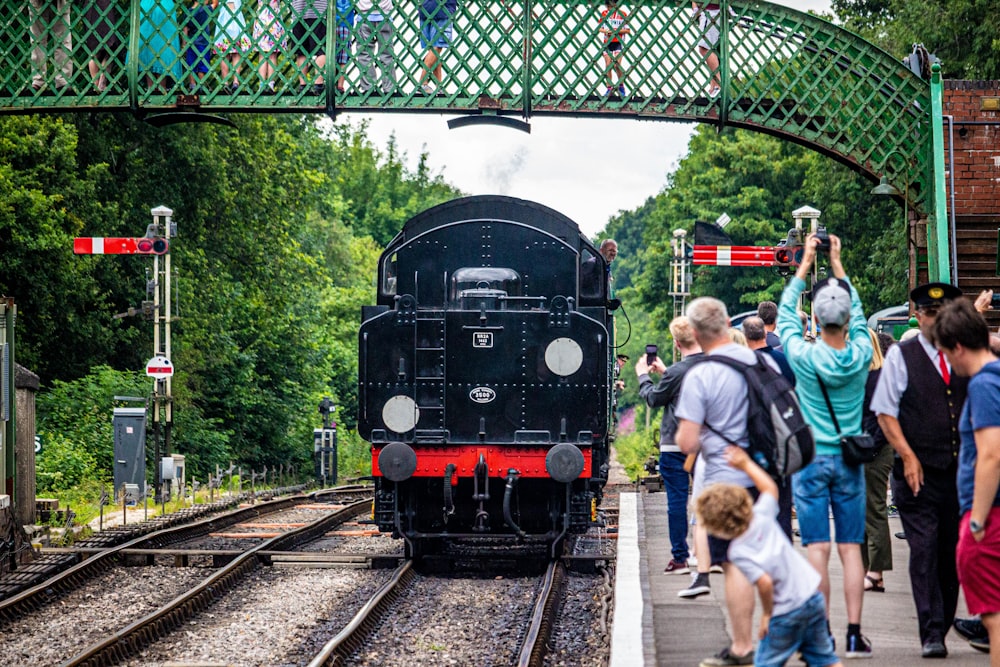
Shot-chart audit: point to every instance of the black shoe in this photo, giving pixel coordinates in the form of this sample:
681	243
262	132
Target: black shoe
934	649
318	89
980	644
971	628
858	646
901	535
725	657
65	90
699	586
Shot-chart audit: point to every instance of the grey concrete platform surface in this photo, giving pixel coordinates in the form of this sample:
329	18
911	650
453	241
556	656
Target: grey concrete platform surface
652	626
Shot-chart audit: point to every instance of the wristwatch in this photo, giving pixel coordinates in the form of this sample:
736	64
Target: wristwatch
975	526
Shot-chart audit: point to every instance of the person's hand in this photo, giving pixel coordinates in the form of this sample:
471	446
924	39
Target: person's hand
737	457
984	301
913	472
658	366
765	621
835	264
978	537
641	367
809	250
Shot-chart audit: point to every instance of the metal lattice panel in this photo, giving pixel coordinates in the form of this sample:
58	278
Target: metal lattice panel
783	72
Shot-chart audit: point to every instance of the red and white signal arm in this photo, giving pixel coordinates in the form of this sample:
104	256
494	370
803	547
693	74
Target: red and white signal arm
159	367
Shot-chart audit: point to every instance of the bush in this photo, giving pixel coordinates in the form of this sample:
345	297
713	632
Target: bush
635	448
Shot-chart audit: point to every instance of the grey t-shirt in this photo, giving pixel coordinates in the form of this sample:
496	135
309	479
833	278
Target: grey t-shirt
716	394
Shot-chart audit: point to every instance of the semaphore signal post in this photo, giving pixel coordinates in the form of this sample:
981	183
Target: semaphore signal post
156	242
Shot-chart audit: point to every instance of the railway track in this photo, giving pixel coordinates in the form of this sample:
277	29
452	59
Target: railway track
140	634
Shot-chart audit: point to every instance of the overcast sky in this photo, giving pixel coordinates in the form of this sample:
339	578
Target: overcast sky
561	163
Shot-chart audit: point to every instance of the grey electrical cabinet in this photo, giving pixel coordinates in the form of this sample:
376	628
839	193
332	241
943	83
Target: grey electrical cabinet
130	447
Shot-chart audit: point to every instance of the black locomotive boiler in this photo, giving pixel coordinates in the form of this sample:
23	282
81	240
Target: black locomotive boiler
485	376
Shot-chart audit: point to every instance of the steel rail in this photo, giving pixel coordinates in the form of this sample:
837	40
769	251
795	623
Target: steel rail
128	641
352	637
41	594
536	641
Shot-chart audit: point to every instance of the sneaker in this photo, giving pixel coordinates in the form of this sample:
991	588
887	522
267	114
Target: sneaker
858	646
726	657
676	567
609	92
699	586
980	644
970	628
716	569
934	649
621	90
714	90
318	89
427	88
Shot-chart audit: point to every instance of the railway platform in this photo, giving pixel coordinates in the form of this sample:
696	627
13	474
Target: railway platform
652	626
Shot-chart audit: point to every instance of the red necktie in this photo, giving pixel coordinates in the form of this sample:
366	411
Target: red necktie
944	368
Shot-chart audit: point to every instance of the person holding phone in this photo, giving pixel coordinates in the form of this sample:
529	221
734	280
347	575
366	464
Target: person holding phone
664	394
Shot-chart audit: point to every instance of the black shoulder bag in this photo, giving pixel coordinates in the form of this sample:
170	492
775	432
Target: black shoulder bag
856	449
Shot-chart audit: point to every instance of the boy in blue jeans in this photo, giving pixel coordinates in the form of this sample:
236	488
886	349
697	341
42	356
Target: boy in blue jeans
794	612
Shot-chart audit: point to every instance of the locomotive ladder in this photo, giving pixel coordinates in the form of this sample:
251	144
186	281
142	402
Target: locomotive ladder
429	358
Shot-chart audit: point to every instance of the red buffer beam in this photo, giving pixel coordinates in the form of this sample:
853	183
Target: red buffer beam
735	255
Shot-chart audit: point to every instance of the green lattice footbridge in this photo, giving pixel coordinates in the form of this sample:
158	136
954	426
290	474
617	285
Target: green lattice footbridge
783	72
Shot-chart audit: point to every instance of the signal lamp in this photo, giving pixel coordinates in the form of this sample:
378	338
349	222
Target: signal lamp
154	246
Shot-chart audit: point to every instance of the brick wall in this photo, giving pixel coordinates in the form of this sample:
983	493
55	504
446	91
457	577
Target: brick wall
976	136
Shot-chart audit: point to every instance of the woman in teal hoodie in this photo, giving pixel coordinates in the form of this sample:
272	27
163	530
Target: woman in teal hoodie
839	360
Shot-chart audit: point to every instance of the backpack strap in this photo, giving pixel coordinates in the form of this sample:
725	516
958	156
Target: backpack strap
736	365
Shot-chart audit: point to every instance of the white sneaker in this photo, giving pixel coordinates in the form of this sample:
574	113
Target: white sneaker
427	88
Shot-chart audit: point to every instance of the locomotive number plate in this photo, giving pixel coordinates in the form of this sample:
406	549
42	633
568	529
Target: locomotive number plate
482	339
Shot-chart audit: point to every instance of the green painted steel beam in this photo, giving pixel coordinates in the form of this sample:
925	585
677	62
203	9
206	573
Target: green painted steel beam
939	264
790	74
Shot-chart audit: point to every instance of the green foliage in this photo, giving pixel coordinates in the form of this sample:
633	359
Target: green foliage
964	34
74	422
634	449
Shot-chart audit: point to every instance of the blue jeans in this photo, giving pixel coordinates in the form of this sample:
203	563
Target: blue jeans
676	483
802	629
828	483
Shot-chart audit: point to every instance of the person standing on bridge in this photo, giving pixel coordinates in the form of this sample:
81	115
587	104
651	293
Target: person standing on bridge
664	394
614	26
831	376
269	38
375	38
715	395
309	42
919	402
707	15
50	35
436	26
102	41
964	337
231	41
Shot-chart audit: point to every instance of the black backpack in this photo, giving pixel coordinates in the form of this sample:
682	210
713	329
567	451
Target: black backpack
781	441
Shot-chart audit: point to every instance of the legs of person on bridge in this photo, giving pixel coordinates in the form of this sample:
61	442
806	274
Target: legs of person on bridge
50	36
708	17
375	42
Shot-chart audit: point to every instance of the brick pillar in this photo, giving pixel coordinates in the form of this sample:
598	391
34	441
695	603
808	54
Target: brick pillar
975	108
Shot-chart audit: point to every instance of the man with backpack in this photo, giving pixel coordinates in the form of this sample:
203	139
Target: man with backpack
831	375
712	414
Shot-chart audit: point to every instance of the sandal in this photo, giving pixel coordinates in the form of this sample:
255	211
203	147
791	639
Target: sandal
877	585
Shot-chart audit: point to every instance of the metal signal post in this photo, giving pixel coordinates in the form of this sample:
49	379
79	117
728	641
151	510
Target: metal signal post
163	418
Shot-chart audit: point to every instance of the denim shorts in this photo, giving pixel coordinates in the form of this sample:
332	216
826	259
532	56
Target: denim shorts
829	483
802	629
436	33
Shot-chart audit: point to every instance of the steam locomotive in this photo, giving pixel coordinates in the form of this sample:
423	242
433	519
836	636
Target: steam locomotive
485	382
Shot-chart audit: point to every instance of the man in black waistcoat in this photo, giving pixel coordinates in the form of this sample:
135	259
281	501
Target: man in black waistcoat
918	402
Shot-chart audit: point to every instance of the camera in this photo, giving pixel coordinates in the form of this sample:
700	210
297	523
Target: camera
824	240
651	351
995	302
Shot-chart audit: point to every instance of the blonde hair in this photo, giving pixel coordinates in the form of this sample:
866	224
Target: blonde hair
737	337
877	358
724	510
683	333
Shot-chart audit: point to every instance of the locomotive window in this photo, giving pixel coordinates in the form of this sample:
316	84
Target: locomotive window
389	276
591	274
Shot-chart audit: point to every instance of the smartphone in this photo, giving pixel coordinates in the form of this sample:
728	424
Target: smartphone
651	351
995	302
